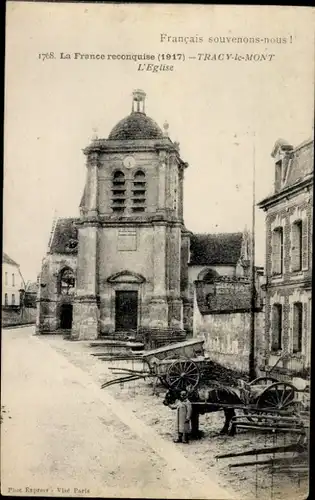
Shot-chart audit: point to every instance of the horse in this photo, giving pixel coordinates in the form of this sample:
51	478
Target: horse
208	401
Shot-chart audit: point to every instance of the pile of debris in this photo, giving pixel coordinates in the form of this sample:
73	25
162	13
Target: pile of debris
215	374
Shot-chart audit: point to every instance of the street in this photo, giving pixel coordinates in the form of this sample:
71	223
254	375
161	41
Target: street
63	436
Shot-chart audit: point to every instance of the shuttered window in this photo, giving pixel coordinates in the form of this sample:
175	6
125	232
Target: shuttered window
304	243
297	326
277	251
296	246
276	328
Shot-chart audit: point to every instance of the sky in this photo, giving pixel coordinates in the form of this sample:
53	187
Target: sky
226	115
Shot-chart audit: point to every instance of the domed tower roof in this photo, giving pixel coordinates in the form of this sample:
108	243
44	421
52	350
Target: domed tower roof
137	125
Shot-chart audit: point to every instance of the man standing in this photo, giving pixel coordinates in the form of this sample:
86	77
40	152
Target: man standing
183	409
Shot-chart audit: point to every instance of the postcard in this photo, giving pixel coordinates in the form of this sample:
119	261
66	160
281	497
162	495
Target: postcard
157	256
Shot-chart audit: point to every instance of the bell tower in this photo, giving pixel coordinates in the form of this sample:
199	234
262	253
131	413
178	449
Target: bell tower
131	231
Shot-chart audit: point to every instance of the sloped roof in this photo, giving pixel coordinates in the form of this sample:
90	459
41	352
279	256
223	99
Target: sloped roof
302	163
215	249
8	260
65	236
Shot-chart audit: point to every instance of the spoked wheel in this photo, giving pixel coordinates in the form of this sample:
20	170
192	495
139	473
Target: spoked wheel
261	384
277	396
183	374
267	380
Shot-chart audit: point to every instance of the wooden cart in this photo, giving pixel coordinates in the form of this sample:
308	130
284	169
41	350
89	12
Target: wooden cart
177	365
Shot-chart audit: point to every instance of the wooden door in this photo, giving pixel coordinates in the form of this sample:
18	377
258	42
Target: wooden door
126	311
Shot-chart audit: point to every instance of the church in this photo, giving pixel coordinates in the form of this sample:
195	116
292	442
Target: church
128	261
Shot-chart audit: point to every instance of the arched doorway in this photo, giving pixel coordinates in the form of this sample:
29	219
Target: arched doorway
66	316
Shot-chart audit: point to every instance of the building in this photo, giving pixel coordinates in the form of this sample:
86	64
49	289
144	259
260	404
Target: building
128	262
122	256
30	295
221	292
289	229
12	282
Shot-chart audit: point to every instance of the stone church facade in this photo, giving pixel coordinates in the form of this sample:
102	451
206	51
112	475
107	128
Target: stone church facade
128	262
129	241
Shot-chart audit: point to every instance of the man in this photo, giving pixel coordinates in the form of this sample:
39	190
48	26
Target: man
183	409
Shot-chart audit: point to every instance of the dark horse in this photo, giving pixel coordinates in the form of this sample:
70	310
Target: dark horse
208	400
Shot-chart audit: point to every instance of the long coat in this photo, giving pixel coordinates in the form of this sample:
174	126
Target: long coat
183	415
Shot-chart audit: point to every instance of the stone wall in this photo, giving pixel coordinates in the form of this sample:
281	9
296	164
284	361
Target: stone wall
11	317
227	337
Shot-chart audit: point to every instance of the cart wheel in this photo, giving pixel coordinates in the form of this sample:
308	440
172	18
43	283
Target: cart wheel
277	396
267	380
183	374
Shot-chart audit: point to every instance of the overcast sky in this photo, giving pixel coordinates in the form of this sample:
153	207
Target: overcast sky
212	107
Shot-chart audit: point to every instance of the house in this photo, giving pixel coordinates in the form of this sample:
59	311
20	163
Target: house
12	282
289	230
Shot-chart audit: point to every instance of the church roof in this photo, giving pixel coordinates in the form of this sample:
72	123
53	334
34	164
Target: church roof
8	260
65	237
136	126
215	249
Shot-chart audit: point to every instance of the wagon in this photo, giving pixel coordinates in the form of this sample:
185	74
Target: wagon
181	365
176	365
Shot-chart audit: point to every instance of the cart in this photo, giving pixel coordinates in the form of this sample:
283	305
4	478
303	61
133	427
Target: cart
181	365
175	365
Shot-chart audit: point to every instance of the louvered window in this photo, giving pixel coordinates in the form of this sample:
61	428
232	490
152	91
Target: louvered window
276	328
118	192
305	243
296	246
297	326
139	192
277	251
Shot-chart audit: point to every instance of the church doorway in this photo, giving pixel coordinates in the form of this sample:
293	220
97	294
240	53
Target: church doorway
126	311
66	317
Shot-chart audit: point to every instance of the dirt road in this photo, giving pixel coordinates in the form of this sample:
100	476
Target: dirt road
62	435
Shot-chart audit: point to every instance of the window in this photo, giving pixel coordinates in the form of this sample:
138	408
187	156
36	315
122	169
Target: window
297	326
6	278
118	192
139	192
5	299
296	246
276	330
13	299
66	282
277	251
13	280
278	175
